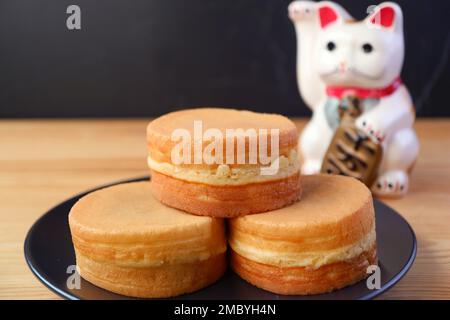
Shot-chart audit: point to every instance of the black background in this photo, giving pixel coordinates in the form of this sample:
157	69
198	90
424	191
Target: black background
147	57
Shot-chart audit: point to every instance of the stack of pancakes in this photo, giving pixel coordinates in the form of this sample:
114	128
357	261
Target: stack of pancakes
287	234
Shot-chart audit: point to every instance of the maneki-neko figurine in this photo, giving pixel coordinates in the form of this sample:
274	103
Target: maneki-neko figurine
363	115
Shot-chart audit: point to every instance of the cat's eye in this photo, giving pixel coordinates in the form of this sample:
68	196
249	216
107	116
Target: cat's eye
331	46
367	47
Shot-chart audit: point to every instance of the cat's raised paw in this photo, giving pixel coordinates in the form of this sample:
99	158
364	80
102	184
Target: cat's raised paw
391	184
371	130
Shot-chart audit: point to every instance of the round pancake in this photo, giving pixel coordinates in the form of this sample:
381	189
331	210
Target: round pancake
225	188
329	232
129	243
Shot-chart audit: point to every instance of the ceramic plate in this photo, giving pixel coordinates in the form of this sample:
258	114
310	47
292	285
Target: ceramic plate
49	253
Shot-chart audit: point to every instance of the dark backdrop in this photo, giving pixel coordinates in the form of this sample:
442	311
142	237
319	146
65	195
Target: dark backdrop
147	57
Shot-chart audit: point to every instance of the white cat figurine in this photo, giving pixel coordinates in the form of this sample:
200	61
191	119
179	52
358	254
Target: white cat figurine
365	59
306	22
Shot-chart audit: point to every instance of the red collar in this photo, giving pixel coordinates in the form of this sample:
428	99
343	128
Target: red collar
364	93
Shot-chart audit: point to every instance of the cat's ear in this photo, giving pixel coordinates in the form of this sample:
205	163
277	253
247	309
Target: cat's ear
329	13
387	15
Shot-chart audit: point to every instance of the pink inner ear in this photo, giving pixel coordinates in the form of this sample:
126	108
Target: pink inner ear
327	15
384	17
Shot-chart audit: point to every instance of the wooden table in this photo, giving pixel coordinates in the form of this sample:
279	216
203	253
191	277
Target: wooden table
43	162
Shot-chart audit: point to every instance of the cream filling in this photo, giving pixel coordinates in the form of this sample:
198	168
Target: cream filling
314	259
226	175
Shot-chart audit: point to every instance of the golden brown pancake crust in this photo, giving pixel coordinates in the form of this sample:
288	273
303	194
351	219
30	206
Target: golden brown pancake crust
304	280
128	242
322	243
225	201
224	188
159	131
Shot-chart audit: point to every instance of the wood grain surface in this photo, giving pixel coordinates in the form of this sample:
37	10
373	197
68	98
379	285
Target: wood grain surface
43	162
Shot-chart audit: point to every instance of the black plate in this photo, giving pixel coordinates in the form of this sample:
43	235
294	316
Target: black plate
49	252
